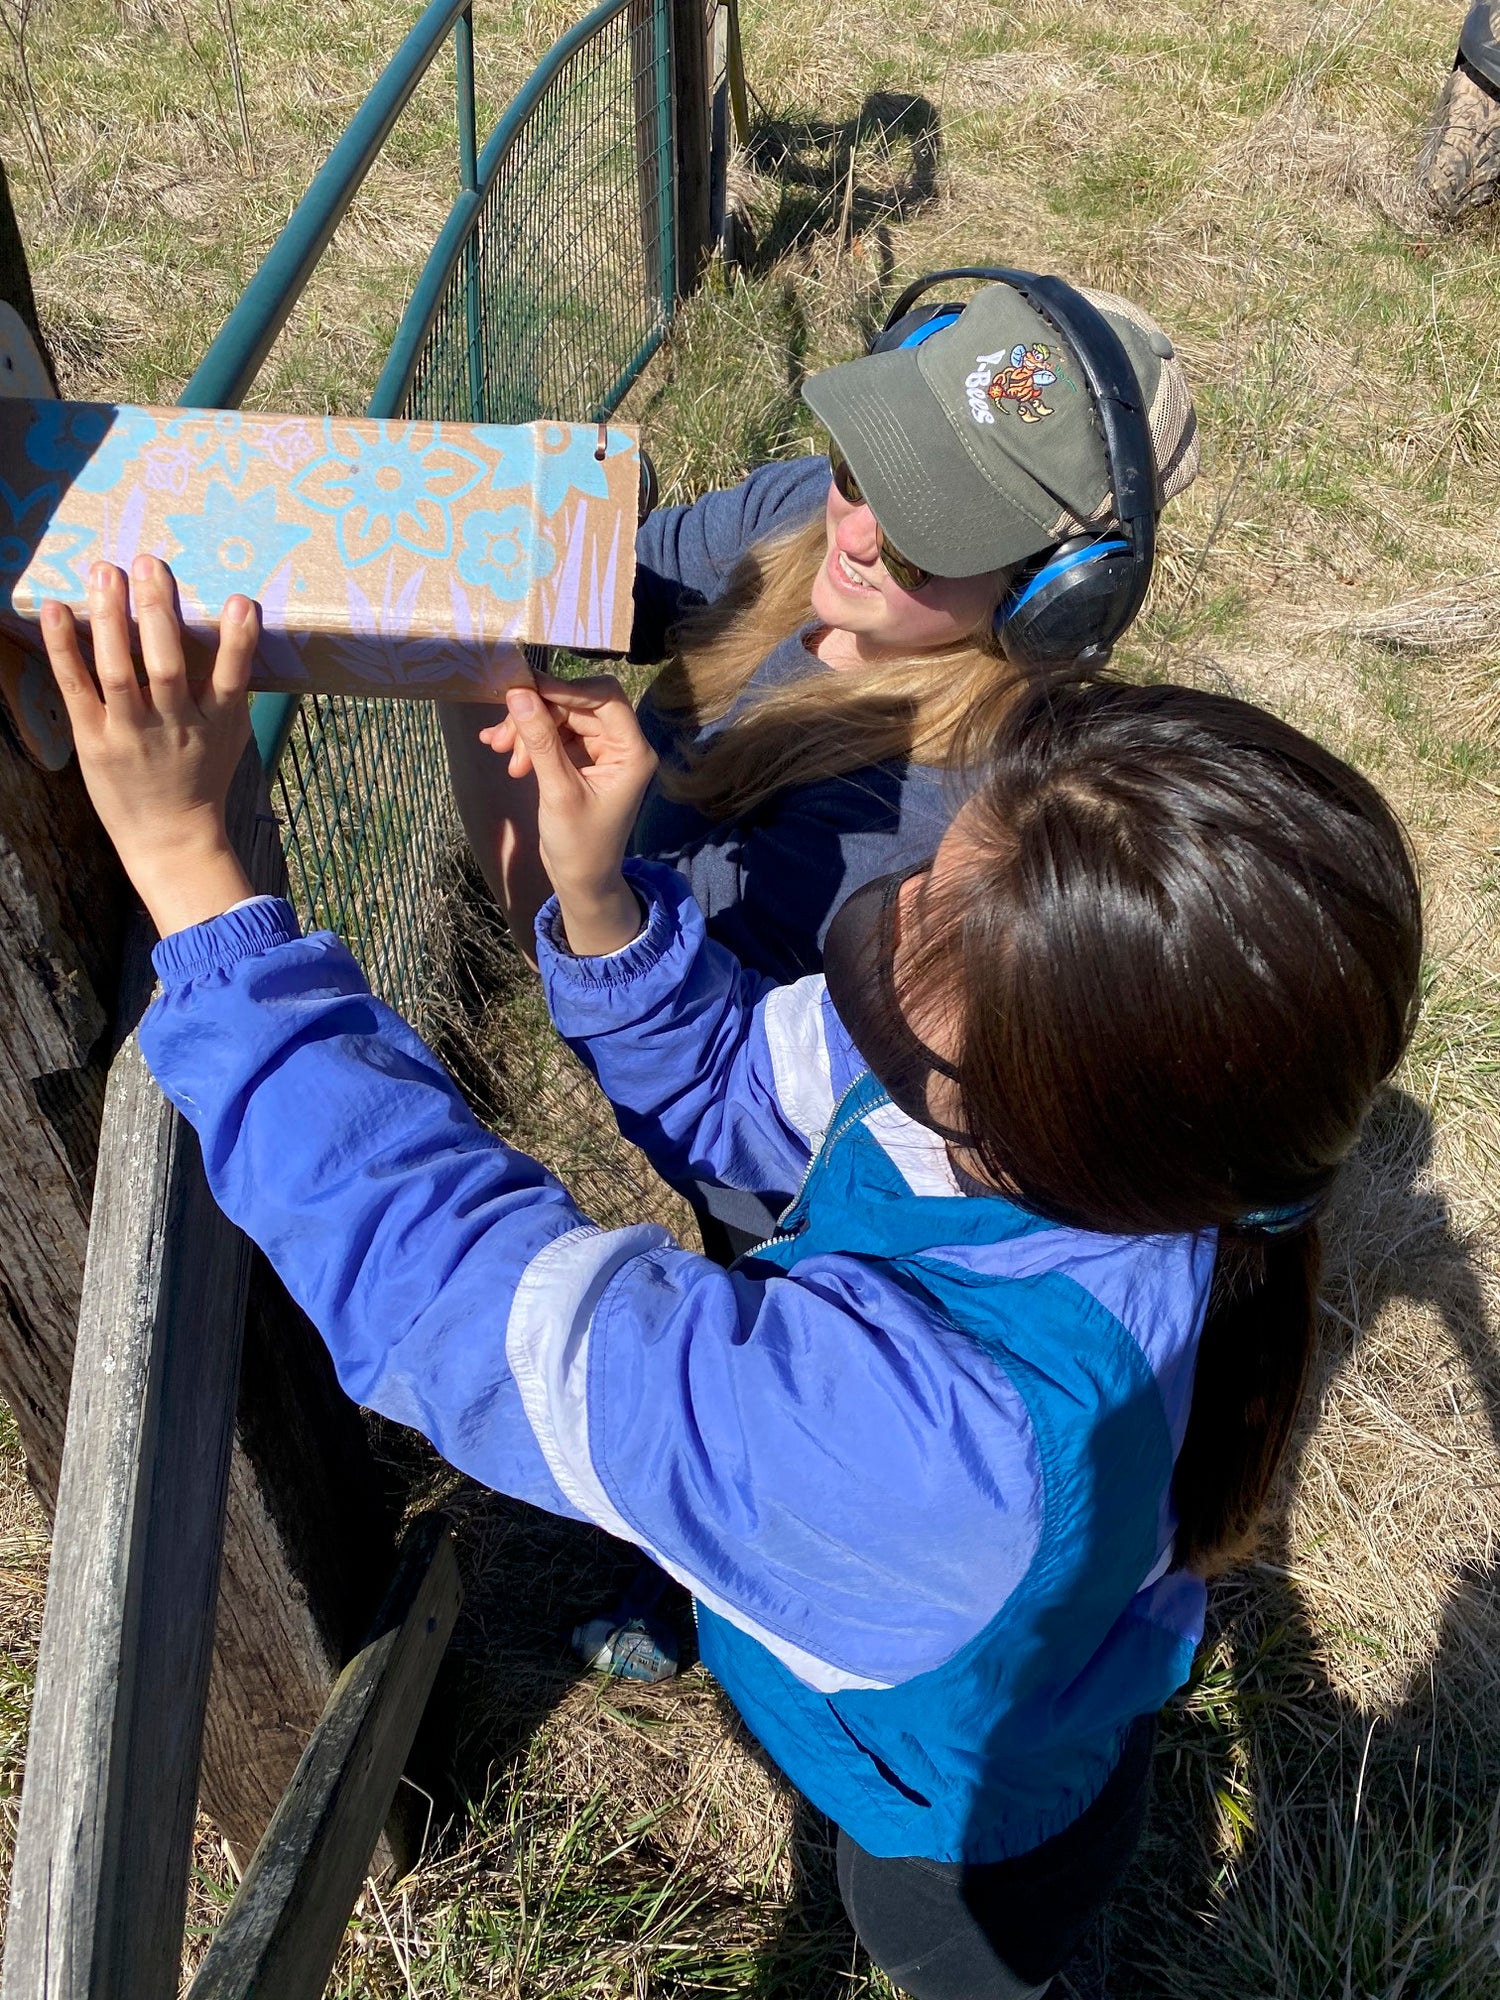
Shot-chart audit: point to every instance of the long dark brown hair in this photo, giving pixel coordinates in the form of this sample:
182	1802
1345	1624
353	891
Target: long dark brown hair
1188	952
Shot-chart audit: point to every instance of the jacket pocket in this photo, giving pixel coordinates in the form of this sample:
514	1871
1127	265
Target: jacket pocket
878	1767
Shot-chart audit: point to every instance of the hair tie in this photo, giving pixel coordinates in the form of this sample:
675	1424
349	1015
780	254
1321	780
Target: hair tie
1283	1221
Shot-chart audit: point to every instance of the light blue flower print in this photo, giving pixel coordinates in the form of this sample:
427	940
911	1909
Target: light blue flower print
563	462
387	491
235	543
504	554
514	454
51	571
93	444
224	430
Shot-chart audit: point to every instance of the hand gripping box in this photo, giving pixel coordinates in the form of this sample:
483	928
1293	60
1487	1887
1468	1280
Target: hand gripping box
388	558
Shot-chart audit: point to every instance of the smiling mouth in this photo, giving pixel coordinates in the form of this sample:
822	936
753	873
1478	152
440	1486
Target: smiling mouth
848	575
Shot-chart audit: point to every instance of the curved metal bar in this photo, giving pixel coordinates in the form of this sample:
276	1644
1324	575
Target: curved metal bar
416	321
246	337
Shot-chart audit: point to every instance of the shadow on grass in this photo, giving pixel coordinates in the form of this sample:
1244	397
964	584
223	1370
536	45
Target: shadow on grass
842	178
1298	1847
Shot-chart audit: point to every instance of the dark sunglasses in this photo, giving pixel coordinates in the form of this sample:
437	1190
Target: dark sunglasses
905	575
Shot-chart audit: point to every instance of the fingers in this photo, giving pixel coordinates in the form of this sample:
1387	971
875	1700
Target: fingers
501	737
557	780
74	681
239	633
109	628
584	696
161	639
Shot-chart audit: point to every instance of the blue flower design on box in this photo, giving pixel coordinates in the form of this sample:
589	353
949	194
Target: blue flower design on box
222	441
16	544
94	444
224	430
235	544
559	459
390	492
504	554
45	552
51	571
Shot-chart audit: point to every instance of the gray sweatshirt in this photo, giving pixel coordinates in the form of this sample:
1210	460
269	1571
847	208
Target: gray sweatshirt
770	882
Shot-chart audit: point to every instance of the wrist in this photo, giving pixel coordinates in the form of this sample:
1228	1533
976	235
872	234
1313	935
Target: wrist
600	920
190	885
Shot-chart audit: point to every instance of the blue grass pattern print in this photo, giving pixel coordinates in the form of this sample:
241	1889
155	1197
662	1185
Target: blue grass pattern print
92	444
235	543
385	492
504	554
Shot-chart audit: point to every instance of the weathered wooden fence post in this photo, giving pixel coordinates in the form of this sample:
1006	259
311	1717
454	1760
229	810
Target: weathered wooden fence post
309	1539
99	1881
693	139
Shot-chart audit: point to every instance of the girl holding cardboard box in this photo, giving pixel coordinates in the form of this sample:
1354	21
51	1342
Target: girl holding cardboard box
944	1463
989	510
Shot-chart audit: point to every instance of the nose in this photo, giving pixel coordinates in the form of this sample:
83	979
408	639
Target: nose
858	536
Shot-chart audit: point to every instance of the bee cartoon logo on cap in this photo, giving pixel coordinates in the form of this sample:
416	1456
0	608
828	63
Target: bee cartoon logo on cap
1018	377
1024	380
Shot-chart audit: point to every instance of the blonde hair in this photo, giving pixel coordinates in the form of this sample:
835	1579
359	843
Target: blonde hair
820	727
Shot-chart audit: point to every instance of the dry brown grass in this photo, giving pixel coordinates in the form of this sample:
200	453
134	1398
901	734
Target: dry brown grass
1325	1821
23	1570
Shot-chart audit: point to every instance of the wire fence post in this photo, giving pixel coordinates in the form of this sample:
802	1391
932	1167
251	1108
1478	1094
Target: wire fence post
468	174
666	156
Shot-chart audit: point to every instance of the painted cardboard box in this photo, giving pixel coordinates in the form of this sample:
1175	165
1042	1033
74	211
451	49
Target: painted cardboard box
387	558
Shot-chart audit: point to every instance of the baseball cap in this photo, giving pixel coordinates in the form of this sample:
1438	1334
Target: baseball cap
980	445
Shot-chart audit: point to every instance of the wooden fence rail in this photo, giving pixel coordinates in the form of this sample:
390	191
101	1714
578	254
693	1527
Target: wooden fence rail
99	1881
281	1933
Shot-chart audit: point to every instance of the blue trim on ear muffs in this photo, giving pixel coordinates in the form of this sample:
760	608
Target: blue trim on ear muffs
934	325
1050	571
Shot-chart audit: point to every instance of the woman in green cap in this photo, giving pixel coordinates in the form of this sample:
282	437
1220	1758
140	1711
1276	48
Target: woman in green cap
830	625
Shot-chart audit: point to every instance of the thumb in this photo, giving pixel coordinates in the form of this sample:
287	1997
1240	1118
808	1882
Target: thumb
556	779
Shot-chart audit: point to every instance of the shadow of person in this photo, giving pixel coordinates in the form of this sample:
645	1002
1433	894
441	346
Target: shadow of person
1305	1841
840	178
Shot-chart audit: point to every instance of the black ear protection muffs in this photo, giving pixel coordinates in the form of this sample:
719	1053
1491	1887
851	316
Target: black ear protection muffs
1070	604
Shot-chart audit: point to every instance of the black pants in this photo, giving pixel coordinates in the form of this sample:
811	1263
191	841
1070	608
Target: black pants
949	1931
722	1241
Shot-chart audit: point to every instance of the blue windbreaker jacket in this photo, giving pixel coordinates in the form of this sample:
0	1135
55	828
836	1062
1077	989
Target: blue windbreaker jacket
913	1459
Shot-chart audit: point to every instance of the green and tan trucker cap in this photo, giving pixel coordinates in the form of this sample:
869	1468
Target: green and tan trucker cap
980	445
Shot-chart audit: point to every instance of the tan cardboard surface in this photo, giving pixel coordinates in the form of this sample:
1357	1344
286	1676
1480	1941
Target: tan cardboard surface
388	558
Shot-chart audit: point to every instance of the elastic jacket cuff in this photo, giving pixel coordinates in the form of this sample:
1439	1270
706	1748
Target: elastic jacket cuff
560	968
243	932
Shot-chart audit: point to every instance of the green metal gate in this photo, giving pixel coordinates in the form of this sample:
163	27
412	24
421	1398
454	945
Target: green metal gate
549	288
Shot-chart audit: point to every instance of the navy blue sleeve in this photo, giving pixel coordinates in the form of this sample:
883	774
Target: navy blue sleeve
684	555
770	885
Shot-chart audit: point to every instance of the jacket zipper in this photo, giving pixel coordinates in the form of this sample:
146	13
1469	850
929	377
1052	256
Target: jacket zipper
829	1140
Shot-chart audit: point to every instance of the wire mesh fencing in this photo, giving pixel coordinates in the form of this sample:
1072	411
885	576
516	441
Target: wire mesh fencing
554	298
567	275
